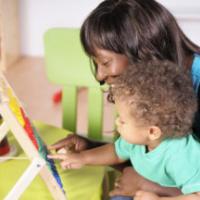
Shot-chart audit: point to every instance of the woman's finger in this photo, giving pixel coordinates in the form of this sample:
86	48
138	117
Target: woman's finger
117	184
115	192
61	143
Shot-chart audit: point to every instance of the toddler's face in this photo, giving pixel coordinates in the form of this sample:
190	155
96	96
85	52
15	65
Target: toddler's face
128	127
110	65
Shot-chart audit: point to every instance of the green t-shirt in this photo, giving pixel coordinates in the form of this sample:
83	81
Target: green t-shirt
174	163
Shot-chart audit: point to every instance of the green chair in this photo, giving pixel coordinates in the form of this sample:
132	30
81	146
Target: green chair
68	66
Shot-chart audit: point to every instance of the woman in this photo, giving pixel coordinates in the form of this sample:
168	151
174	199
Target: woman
120	32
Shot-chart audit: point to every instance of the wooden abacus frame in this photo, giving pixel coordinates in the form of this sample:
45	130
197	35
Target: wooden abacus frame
15	119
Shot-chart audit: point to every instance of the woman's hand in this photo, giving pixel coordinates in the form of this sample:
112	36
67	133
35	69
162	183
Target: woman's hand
128	183
73	143
142	195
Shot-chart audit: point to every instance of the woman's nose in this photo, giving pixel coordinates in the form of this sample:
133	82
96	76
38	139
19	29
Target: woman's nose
101	74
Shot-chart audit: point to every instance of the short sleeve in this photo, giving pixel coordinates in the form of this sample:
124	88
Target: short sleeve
193	184
184	168
123	148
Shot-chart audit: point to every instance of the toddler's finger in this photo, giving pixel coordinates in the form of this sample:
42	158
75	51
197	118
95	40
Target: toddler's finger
57	156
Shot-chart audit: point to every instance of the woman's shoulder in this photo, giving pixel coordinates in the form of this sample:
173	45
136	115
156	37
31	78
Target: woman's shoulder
195	72
196	61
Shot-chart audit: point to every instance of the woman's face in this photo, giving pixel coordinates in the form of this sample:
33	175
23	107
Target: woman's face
110	65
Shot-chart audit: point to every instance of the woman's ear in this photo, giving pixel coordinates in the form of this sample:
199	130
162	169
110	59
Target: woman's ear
154	133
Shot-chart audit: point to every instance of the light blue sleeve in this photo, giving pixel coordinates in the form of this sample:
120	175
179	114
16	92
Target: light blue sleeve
195	72
123	148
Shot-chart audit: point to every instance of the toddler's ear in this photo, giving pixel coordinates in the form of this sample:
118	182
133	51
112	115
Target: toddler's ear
154	133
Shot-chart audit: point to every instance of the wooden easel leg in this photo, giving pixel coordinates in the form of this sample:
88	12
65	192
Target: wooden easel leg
27	177
4	128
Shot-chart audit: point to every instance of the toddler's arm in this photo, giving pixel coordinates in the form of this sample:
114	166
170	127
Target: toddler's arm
103	155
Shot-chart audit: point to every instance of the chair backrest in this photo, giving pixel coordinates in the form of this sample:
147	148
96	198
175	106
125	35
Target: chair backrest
67	65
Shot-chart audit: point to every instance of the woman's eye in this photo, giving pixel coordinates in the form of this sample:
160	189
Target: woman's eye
106	63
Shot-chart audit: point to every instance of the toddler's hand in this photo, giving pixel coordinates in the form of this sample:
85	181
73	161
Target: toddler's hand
69	161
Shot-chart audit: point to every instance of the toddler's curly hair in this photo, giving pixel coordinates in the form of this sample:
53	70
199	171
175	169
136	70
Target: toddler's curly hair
159	93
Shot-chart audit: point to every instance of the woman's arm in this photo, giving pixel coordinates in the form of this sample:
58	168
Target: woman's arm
130	182
143	195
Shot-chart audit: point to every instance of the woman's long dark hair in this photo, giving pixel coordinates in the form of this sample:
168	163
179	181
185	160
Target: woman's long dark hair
139	29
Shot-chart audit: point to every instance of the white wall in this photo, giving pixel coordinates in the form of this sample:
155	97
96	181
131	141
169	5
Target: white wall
36	16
